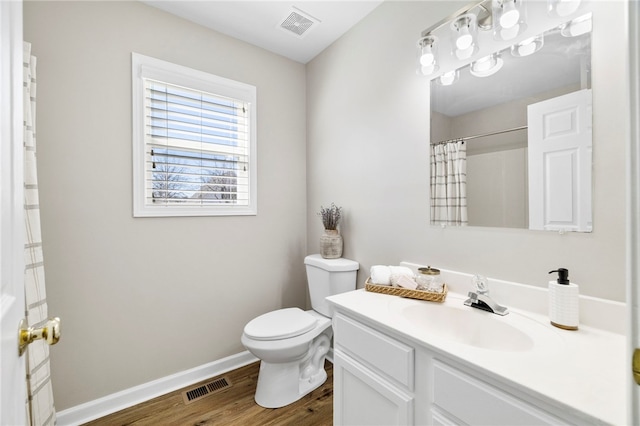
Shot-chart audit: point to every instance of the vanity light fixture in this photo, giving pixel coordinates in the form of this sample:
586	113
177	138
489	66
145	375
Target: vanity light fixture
562	8
487	65
464	33
427	55
577	27
448	78
528	47
508	19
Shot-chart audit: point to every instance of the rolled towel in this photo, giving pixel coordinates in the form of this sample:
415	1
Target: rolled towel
401	270
380	274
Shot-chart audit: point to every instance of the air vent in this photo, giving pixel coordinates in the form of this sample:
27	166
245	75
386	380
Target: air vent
207	389
298	23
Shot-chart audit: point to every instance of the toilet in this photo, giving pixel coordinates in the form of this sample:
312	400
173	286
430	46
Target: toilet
291	343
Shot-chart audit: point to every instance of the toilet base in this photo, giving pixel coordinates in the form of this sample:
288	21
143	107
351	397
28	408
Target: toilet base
281	384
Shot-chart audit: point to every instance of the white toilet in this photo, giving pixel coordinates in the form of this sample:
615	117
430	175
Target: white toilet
291	343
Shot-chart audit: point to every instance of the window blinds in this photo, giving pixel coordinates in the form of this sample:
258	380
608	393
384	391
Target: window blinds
196	147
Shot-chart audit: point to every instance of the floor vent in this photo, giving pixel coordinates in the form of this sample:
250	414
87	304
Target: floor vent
207	389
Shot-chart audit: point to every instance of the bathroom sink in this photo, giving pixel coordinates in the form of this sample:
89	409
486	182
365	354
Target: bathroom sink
455	322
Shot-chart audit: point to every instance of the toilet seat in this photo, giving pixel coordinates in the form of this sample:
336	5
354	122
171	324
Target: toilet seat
280	324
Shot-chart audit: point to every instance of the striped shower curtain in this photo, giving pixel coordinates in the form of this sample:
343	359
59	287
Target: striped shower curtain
449	183
40	408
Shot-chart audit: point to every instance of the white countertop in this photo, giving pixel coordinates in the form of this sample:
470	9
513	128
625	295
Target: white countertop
581	371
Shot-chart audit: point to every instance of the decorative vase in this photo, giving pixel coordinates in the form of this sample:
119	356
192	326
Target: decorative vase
331	244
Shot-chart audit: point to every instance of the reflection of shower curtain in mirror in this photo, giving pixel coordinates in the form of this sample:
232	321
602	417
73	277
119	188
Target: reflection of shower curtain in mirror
40	408
449	183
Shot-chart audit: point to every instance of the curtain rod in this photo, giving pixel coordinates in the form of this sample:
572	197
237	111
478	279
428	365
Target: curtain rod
482	135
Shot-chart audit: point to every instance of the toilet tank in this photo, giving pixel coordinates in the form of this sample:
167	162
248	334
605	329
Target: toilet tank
327	277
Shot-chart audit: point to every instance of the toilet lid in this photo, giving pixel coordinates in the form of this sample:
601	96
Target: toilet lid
280	324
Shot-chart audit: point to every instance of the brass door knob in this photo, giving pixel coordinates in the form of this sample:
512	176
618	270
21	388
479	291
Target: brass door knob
50	333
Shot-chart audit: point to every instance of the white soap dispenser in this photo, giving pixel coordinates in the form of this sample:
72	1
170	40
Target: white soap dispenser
564	308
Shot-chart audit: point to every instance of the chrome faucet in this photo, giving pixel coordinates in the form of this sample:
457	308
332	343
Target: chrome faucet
480	299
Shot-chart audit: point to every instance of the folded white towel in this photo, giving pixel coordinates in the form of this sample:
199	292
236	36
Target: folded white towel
380	274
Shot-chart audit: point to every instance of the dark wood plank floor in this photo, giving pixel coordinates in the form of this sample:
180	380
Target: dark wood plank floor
234	406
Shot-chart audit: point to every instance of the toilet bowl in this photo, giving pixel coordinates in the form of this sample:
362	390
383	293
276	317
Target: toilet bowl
293	366
292	344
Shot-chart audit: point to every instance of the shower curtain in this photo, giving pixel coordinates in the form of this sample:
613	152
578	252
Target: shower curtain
449	183
40	408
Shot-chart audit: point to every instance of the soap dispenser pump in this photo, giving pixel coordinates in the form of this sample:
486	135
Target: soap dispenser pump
563	301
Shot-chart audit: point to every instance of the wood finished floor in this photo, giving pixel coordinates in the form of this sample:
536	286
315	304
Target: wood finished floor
233	407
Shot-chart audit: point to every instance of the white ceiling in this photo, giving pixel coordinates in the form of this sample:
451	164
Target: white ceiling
258	22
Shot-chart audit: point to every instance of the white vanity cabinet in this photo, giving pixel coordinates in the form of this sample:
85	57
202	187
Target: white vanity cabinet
381	378
373	376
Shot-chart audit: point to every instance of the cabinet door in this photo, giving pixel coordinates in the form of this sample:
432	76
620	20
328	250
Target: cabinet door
362	398
475	402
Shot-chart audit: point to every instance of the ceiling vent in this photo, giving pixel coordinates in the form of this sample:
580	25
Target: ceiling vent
298	23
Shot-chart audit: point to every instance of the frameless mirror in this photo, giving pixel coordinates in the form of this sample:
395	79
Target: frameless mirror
526	131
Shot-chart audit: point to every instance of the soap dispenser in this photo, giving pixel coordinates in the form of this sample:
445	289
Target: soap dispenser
563	301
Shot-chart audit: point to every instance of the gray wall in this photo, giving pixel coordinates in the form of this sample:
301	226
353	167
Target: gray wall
144	298
367	150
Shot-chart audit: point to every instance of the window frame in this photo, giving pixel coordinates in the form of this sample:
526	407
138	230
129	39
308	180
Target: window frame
145	67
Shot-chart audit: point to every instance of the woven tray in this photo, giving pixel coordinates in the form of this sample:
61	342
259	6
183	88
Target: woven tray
404	292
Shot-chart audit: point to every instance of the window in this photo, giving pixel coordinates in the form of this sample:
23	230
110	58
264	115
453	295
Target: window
194	144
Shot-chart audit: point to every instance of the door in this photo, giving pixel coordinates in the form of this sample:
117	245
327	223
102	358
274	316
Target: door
12	367
560	141
633	213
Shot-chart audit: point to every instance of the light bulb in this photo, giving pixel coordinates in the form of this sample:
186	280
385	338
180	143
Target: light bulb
483	64
465	40
486	66
526	49
463	32
448	78
427	58
510	15
578	26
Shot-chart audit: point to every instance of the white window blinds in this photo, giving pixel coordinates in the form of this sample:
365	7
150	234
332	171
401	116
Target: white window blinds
196	149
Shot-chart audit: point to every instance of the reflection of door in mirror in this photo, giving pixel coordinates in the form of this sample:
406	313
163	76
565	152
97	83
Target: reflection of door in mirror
560	163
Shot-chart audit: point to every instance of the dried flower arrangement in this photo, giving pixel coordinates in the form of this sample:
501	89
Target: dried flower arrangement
330	216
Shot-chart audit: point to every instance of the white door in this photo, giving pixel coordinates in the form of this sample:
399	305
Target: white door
12	367
560	142
633	210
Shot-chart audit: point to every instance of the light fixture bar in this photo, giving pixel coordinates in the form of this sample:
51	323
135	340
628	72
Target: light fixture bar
445	21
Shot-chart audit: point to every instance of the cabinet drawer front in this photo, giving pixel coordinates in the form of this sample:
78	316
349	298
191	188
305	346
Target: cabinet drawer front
476	402
376	350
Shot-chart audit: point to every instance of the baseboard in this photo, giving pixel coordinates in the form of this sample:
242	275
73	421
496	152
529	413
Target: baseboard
129	397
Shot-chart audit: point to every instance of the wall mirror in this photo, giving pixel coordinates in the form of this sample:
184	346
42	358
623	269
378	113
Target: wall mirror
525	127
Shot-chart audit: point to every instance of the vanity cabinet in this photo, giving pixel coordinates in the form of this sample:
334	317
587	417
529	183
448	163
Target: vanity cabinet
381	378
373	376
